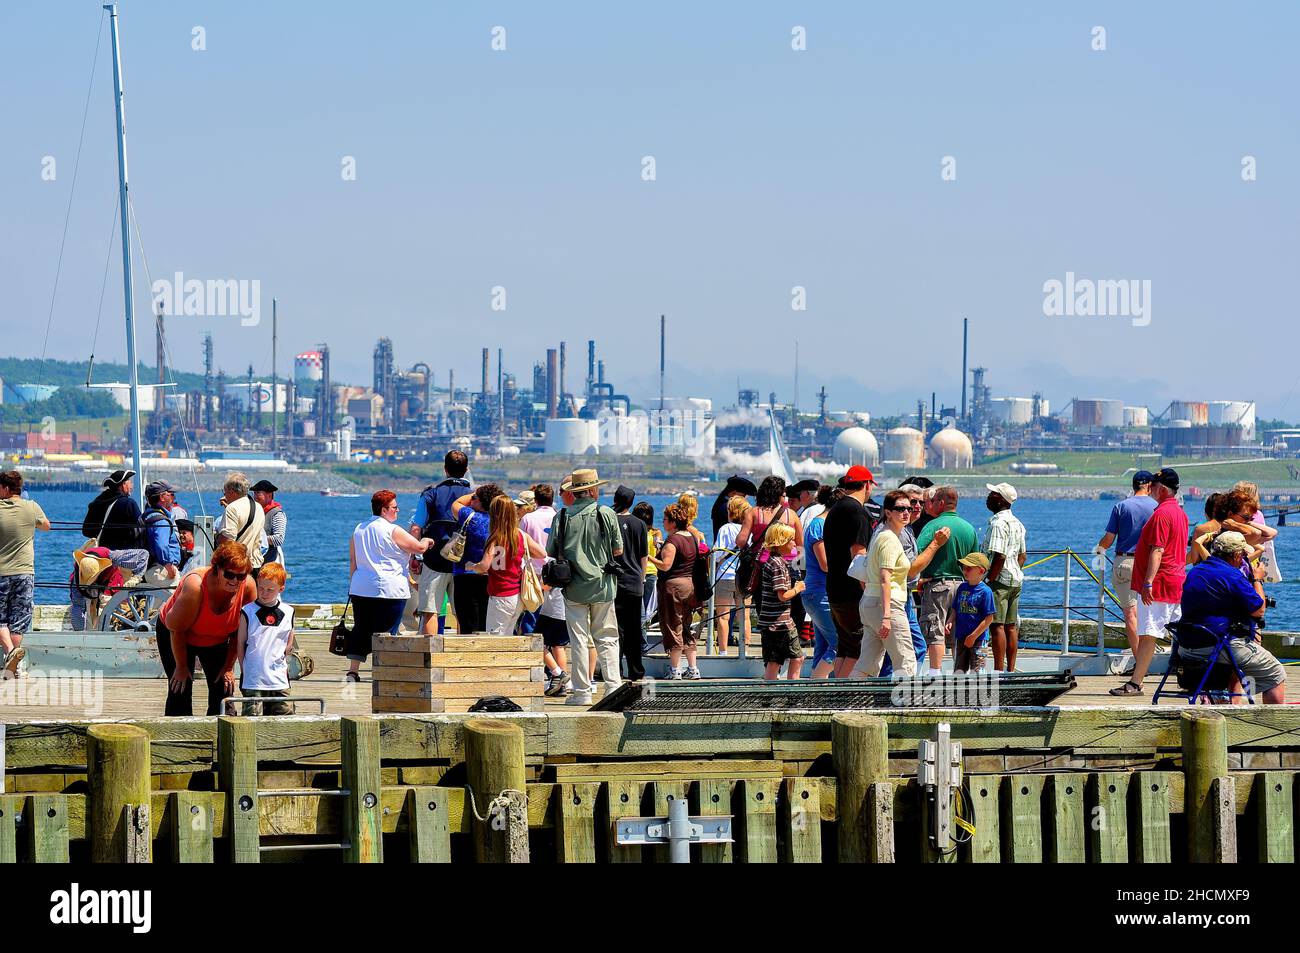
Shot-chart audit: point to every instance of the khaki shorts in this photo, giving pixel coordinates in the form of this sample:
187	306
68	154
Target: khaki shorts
933	607
431	587
1006	604
1257	664
1121	581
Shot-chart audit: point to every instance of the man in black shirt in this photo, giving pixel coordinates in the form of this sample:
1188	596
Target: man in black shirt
846	533
737	485
631	582
114	519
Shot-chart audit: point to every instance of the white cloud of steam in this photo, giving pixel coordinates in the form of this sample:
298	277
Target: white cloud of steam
742	417
733	461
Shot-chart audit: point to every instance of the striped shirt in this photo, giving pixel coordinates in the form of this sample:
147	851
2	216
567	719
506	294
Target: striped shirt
774	613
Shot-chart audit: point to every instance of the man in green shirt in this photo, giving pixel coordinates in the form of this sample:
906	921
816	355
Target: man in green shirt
19	521
939	568
591	541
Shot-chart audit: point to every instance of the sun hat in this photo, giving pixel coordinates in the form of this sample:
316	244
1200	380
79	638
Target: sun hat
89	567
579	480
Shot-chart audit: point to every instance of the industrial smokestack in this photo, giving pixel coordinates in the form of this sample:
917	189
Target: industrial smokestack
484	389
451	385
563	365
965	327
661	364
600	372
591	365
552	384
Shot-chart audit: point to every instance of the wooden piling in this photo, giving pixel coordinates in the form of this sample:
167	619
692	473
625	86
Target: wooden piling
494	763
428	824
237	769
1274	817
117	777
860	750
1205	758
363	814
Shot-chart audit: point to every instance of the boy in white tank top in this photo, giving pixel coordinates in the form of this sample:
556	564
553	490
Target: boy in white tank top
265	643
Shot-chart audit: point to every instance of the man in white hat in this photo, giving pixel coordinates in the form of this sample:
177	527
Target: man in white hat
587	535
1004	542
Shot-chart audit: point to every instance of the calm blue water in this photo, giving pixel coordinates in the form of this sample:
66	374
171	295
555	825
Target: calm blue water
319	529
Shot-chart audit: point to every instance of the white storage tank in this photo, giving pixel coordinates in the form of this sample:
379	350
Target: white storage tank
856	445
1015	411
572	436
1193	411
1135	416
950	449
623	435
1239	412
1098	412
905	447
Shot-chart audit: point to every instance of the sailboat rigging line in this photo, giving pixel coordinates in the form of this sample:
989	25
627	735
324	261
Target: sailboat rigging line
76	167
167	353
103	287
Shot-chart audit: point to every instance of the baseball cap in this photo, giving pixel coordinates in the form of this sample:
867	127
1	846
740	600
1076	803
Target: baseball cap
979	560
158	488
858	474
1167	476
1229	543
1142	478
1004	490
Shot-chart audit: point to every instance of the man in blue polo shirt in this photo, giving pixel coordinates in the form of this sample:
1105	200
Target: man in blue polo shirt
1124	528
1218	596
433	518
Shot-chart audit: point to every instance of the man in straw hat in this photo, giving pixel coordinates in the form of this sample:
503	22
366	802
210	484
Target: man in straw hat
91	584
19	521
587	535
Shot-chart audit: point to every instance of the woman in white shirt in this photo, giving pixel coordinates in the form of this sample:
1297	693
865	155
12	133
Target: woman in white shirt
727	603
379	556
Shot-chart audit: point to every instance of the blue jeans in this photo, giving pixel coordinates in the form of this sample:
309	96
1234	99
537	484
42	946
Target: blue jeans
918	640
825	636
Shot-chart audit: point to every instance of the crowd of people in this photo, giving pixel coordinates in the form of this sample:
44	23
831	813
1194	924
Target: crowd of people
875	588
1211	577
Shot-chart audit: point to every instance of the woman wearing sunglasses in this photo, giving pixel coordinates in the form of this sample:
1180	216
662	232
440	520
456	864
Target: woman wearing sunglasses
199	622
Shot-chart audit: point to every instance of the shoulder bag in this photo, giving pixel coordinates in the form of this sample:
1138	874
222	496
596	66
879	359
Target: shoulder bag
339	634
557	573
454	549
747	576
530	586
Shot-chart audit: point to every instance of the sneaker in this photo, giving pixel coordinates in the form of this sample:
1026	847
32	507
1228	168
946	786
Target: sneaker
558	685
12	659
578	699
672	675
691	674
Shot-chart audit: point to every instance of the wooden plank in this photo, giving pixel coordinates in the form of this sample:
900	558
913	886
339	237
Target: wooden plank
458	689
499	673
882	800
237	760
982	791
575	822
360	777
491	643
10	807
428	825
1275	816
458	705
1149	803
622	798
800	821
661	792
382	659
407	644
756	843
1066	825
651	770
712	797
484	659
1022	818
1107	796
414	706
406	676
46	817
1223	821
190	822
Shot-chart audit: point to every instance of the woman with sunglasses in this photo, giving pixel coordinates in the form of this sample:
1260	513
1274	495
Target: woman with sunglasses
199	623
884	599
379	557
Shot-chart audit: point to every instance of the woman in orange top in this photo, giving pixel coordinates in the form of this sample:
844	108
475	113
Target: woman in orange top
200	621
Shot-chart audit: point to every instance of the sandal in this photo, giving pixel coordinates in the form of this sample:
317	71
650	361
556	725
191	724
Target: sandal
1128	688
353	677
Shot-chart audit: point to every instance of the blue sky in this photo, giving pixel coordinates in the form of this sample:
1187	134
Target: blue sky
477	168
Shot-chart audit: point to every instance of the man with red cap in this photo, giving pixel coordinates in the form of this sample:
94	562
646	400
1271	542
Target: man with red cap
846	533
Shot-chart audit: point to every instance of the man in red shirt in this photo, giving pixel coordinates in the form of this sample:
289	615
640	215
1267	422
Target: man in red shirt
1159	567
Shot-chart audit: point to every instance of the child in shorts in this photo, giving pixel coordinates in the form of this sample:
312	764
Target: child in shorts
780	637
971	614
266	642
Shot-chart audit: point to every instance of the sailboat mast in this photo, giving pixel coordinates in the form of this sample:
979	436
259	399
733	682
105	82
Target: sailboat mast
126	256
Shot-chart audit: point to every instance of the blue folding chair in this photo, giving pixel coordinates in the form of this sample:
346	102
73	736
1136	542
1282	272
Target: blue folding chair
1213	685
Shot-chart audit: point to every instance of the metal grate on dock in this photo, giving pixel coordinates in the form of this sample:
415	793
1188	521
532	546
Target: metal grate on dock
859	694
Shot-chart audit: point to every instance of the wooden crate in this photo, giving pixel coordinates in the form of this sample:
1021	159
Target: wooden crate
449	673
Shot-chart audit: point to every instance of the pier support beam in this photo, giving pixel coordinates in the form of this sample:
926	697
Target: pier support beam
117	781
860	750
494	763
1205	758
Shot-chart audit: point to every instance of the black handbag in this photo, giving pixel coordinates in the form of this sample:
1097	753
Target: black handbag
340	633
747	571
557	573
